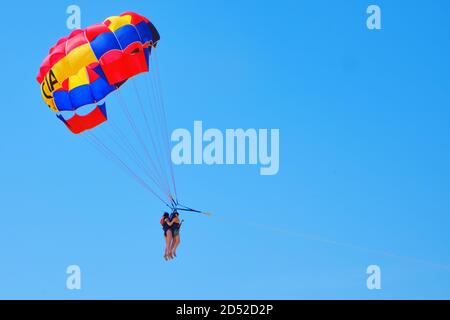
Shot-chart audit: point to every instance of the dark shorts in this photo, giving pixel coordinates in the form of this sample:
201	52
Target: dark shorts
165	231
175	232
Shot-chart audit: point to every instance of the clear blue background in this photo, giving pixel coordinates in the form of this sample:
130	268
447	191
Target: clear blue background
364	124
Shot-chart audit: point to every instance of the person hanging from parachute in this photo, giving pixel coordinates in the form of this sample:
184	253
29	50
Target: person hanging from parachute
171	225
83	69
167	235
175	225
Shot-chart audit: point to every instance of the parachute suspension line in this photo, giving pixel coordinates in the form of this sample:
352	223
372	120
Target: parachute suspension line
133	155
96	142
134	128
163	110
164	120
157	121
151	136
137	131
158	132
157	125
136	154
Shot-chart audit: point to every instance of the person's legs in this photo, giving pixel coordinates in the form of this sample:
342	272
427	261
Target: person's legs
176	243
167	251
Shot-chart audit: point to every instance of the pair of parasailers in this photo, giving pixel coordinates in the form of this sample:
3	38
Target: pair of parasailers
171	226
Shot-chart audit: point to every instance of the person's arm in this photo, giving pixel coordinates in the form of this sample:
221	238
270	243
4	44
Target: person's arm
169	223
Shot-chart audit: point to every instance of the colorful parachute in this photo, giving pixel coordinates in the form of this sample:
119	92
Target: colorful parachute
83	68
86	66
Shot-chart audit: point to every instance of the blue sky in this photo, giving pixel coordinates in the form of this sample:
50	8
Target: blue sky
364	153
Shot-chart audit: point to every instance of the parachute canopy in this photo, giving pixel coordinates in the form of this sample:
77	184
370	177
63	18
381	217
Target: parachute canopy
82	69
86	66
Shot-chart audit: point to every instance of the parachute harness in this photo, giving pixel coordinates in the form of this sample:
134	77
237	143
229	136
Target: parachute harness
176	206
